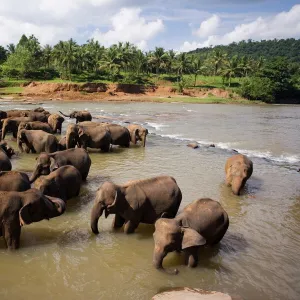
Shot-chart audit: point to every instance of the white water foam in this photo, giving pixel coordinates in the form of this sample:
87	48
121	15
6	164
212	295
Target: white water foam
157	126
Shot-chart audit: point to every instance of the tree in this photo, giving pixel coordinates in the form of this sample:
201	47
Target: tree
217	59
183	64
231	69
3	55
47	53
158	59
197	67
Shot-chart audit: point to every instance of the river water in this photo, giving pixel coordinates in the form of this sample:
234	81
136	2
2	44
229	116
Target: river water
259	255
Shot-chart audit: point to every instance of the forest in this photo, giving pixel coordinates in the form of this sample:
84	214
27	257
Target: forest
266	70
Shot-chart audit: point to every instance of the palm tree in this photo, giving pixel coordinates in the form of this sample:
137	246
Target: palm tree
158	59
11	48
218	58
197	67
183	64
47	51
245	65
111	61
231	69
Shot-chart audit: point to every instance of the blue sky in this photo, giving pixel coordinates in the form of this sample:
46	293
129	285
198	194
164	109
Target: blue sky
172	24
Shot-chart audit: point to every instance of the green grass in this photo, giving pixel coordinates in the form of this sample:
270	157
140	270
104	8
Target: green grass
207	100
11	90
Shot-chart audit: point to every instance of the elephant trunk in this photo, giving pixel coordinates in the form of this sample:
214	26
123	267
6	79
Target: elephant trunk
158	257
68	116
19	143
60	207
34	176
95	215
144	140
71	141
237	185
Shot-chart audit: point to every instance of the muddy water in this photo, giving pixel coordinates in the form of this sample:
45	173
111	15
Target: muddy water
257	259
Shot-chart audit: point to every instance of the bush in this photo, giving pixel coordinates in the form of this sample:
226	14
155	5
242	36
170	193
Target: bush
10	72
257	88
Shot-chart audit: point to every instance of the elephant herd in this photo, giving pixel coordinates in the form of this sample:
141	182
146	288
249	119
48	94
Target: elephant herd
63	165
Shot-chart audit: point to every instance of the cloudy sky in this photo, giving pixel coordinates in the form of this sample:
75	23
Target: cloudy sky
173	24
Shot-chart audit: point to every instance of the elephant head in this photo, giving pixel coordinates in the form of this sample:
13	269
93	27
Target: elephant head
72	136
72	115
238	177
55	121
44	165
138	133
37	207
9	151
107	198
21	138
170	236
39	109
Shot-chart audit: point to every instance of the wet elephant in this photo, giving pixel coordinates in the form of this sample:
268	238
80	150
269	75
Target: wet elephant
63	183
62	144
6	153
46	162
140	201
37	141
12	125
137	133
238	169
55	121
80	116
39	116
22	208
203	222
14	181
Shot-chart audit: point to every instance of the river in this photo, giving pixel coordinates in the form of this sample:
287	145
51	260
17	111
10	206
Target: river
259	255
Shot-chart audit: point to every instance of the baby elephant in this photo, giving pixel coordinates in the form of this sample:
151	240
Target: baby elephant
140	201
63	183
203	222
22	208
238	170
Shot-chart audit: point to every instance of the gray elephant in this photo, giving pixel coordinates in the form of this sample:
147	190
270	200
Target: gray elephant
6	153
23	208
137	133
203	222
55	121
46	162
238	169
14	181
80	116
140	201
39	116
36	125
119	134
12	125
37	141
88	137
15	113
63	183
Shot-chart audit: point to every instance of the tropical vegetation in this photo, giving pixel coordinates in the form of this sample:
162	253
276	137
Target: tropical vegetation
266	77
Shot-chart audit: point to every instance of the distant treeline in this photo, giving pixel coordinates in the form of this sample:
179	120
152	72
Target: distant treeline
258	75
288	48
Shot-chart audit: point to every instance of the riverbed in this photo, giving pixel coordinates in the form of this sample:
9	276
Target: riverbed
257	259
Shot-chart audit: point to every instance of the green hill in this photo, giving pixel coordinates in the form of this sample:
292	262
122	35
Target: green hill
289	48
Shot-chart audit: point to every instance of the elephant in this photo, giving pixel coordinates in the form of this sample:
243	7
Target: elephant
238	169
39	109
63	183
137	133
5	154
119	135
202	222
88	136
22	208
36	125
139	201
14	181
80	116
39	116
11	125
47	162
37	141
62	144
55	121
15	113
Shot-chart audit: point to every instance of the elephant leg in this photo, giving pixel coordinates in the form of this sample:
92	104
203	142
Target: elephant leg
130	226
118	221
12	237
191	256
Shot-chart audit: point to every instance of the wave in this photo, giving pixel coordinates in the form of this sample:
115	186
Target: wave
156	126
229	147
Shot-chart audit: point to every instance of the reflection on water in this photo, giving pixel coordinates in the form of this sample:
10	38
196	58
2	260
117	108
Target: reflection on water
258	257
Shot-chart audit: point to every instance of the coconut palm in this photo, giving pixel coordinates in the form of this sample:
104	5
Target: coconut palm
218	57
47	52
197	67
231	69
183	64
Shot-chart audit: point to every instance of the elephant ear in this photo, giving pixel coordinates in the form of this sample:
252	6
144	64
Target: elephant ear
24	215
135	196
54	165
191	238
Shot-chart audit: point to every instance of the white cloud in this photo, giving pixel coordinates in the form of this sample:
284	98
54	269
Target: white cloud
282	25
129	26
208	27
